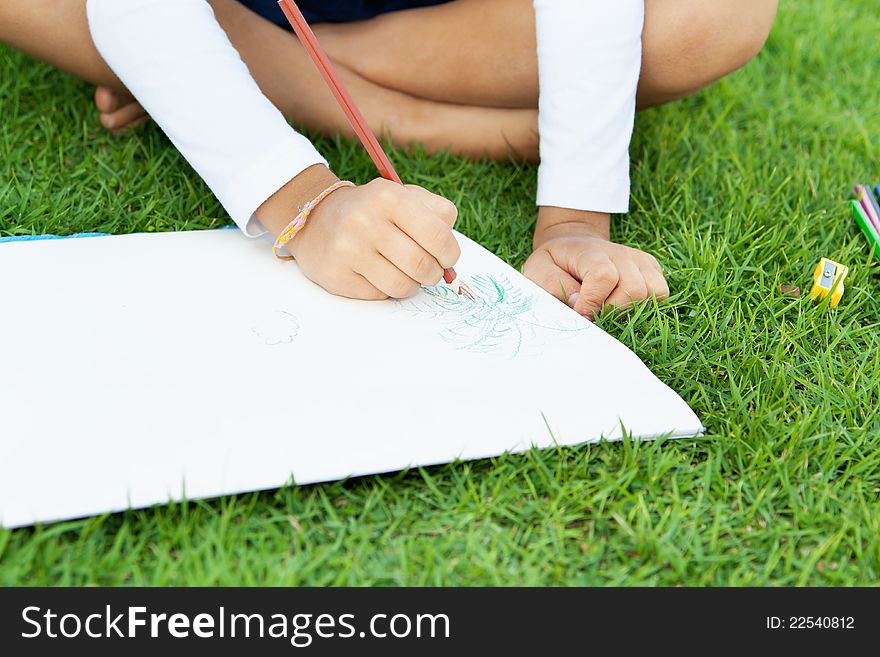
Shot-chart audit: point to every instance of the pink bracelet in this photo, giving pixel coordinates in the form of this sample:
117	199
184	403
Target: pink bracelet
297	224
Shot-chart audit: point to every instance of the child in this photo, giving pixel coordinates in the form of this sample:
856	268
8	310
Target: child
223	77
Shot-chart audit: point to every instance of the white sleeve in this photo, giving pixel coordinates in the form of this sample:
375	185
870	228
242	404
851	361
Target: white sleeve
178	62
589	60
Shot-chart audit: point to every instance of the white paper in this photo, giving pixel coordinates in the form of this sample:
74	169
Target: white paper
145	368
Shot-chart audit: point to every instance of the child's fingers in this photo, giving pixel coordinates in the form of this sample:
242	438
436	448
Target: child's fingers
543	270
400	249
656	283
431	232
443	207
387	278
600	277
356	286
630	287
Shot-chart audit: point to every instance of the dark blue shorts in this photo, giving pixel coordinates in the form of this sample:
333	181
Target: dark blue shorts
335	11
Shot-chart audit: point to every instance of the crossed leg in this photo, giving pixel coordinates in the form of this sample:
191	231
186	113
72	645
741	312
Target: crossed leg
403	73
688	44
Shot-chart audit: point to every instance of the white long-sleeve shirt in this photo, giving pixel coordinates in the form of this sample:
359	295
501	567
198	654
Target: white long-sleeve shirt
180	65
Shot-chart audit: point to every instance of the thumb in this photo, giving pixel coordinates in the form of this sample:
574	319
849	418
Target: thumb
442	207
543	270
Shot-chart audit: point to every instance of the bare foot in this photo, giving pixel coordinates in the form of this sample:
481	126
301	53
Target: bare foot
119	111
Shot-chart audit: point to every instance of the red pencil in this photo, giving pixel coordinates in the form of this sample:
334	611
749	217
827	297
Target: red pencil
352	113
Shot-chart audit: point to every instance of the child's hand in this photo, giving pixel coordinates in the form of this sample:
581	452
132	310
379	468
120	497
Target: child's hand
577	263
377	240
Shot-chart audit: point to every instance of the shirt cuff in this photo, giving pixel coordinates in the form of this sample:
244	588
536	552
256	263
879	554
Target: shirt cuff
559	187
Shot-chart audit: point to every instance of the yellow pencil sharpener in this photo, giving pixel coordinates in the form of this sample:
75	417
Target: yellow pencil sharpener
828	279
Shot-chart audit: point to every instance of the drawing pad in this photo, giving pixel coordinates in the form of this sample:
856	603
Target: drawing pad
145	368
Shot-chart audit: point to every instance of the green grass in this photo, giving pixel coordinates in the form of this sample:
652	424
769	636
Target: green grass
737	191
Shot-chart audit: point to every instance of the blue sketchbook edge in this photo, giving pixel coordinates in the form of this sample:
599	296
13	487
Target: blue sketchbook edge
36	238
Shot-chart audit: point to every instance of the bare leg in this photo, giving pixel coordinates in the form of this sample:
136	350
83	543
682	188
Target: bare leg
402	72
687	45
283	70
56	31
409	81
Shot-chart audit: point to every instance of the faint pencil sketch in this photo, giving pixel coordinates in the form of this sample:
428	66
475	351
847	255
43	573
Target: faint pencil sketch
500	321
278	327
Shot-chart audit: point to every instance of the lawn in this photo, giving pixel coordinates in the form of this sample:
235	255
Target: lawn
737	191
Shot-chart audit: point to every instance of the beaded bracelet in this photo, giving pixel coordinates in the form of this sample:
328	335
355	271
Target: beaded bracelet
297	224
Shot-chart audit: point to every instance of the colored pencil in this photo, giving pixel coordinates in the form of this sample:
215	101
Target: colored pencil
872	200
867	227
352	113
863	195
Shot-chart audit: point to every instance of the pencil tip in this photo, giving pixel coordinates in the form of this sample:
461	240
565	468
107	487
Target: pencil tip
465	291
